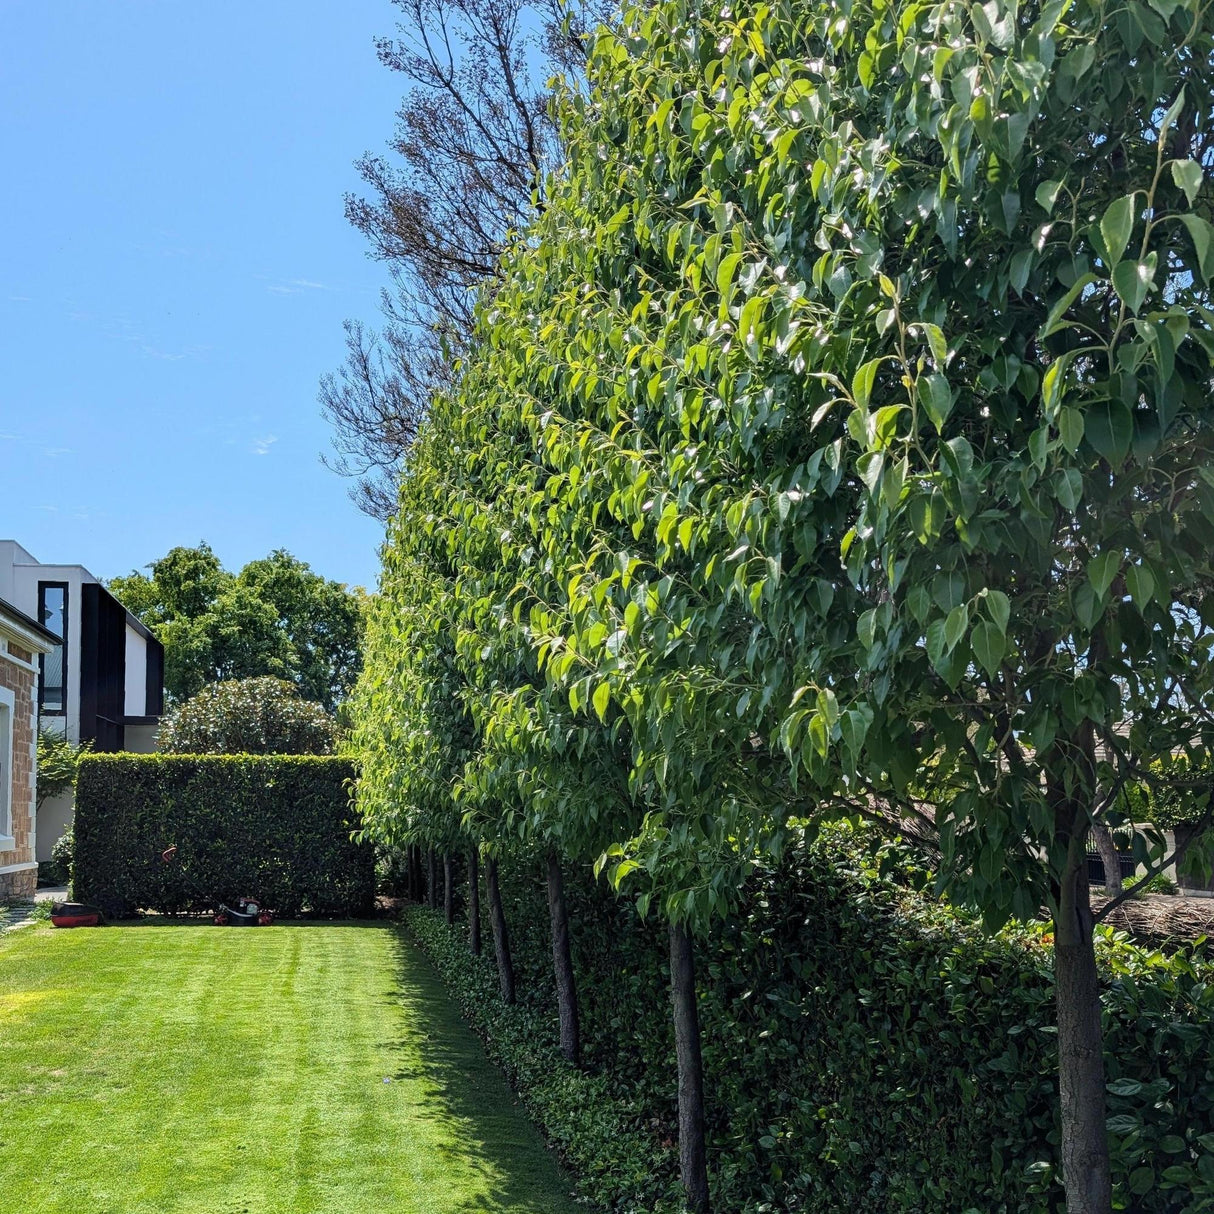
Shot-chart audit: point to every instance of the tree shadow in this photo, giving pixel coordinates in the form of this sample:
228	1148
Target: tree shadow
494	1138
190	920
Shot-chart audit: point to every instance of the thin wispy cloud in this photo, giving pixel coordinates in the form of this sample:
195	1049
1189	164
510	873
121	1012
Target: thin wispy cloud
261	446
296	286
122	328
36	444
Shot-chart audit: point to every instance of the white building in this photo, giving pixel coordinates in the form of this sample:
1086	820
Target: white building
104	684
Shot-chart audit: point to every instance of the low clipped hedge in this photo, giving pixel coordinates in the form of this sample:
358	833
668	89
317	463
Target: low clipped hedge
603	1133
272	827
866	1049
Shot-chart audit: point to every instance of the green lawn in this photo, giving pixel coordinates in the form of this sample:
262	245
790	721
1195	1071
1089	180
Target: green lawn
202	1070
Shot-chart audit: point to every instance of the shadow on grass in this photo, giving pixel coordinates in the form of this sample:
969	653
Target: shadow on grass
494	1138
206	921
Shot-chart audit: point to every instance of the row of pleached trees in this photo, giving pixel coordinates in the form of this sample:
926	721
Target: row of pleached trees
835	442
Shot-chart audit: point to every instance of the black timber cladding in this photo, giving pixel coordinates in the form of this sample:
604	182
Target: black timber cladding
102	668
154	693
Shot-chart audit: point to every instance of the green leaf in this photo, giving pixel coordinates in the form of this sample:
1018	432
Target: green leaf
1202	235
869	465
1068	488
819	734
1140	582
1169	118
955	625
1142	1180
1109	427
1187	175
1132	280
1047	195
1054	321
936	643
936	399
725	272
988	644
602	697
862	383
1116	224
1054	381
1070	428
1102	569
853	726
937	344
866	628
1000	607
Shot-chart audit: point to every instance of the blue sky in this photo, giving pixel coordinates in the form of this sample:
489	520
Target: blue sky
174	270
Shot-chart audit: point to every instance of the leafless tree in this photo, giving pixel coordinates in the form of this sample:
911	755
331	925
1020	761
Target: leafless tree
473	140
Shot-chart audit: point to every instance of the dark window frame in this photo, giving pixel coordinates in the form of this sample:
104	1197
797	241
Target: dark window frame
43	587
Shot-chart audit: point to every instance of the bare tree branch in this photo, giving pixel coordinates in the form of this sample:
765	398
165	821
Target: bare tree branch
474	139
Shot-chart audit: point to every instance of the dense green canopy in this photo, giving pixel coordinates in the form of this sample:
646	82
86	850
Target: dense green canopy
275	618
836	442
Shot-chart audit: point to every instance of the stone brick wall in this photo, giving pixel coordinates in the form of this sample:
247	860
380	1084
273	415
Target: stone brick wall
20	681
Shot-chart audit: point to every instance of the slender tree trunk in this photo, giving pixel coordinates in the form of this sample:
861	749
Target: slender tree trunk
1085	1149
448	891
474	901
562	962
432	880
1108	857
416	853
501	941
693	1165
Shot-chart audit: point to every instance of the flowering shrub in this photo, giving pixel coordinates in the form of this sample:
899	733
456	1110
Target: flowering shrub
248	716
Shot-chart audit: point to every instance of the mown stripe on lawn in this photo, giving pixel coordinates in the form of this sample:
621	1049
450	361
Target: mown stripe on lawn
189	1069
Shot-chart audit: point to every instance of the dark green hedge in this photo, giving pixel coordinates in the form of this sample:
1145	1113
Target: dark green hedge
866	1049
272	827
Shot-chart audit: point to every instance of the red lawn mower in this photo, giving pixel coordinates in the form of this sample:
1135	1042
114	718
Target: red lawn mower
246	913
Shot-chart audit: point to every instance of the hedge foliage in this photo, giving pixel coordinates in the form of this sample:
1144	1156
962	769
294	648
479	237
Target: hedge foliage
866	1048
275	828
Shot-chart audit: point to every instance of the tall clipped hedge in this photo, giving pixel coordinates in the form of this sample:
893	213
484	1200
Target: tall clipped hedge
272	827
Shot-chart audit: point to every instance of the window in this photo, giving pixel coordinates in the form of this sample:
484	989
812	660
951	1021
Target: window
52	682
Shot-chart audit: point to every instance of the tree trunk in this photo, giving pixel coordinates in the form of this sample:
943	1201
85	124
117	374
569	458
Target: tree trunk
1108	857
501	941
474	901
1085	1149
432	880
562	962
418	882
448	892
693	1166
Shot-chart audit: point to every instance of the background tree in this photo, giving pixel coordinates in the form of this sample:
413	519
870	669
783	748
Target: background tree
276	617
248	716
58	762
473	141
